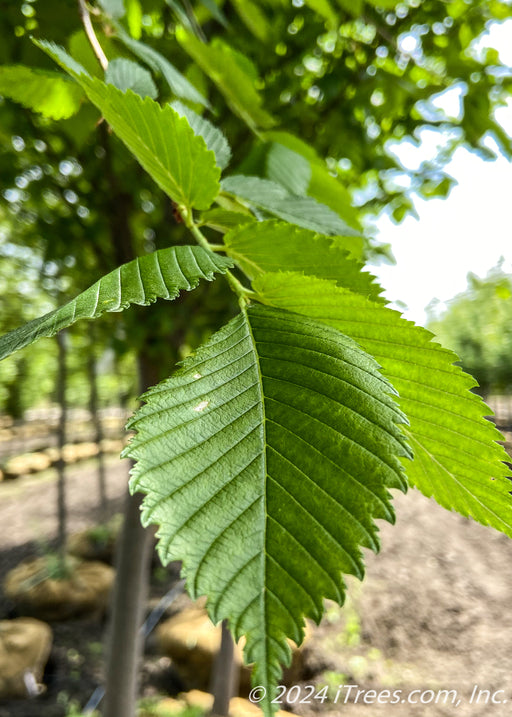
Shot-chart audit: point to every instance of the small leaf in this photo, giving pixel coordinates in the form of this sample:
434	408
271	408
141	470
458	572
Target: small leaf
215	11
162	274
223	220
219	63
322	185
215	140
161	140
273	198
289	169
178	83
128	75
181	14
265	460
456	459
114	8
52	94
134	18
271	246
324	9
254	19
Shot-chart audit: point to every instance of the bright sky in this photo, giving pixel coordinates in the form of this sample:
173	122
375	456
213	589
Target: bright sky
469	231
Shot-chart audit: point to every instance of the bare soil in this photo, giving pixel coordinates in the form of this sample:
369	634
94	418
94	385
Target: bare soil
432	614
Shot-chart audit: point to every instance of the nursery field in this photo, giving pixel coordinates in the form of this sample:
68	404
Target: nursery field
433	614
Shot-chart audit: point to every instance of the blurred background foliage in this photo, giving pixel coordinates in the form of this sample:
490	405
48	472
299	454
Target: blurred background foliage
477	325
338	82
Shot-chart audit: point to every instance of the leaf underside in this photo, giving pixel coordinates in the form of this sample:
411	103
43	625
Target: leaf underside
160	275
275	199
213	137
265	460
127	75
456	458
177	82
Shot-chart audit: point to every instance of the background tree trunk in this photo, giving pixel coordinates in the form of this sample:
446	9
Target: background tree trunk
130	594
98	430
125	640
61	339
226	674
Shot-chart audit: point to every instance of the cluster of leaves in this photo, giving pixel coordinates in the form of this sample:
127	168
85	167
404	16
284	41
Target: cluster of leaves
278	65
267	457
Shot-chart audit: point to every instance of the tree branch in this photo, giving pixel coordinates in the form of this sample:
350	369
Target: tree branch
91	35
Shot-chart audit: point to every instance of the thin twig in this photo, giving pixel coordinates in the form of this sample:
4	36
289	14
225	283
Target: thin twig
91	35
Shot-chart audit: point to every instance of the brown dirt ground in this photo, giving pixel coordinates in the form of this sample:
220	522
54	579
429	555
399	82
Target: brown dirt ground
433	612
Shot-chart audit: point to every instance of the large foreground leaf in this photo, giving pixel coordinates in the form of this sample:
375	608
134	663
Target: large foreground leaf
455	457
265	460
161	275
162	141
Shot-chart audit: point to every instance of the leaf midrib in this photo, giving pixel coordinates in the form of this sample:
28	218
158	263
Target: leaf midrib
259	384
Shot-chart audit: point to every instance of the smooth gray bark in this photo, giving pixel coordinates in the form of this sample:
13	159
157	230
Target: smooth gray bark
226	674
61	441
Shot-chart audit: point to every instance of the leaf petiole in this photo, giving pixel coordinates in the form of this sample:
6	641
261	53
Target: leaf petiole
244	294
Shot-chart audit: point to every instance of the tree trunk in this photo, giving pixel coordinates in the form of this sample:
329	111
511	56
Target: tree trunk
13	404
226	674
130	594
61	441
98	432
125	643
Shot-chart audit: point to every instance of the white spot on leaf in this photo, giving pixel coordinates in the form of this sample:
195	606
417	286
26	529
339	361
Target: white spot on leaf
201	406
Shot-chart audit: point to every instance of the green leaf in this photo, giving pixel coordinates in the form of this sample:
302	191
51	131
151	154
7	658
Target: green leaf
220	64
161	140
384	4
185	18
455	458
254	19
272	246
322	186
81	51
273	198
114	8
289	169
128	75
178	83
352	7
51	94
223	220
265	460
134	18
215	11
161	275
324	9
215	140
